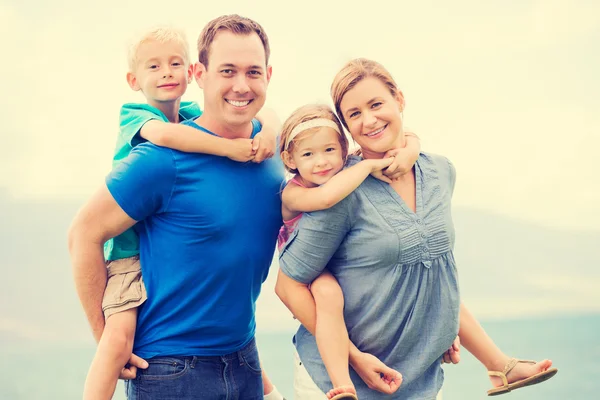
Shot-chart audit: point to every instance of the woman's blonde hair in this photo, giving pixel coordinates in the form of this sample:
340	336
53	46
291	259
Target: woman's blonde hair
304	114
354	72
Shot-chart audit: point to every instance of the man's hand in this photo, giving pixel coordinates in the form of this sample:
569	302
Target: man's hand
240	150
130	370
263	145
376	374
452	355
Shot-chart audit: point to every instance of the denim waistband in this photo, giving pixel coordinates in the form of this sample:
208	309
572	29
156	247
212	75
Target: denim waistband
236	355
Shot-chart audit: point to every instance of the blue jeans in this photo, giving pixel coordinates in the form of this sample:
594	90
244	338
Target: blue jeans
230	377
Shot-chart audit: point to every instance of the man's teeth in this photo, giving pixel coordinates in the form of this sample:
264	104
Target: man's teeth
376	132
238	103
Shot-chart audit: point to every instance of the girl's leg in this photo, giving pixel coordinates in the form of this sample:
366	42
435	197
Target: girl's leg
331	332
477	342
113	352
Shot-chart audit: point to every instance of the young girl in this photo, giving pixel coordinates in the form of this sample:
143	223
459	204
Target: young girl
314	148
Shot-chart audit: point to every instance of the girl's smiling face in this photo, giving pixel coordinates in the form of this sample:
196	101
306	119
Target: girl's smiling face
317	155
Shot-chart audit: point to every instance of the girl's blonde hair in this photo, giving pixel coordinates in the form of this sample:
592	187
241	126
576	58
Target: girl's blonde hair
354	72
304	114
161	35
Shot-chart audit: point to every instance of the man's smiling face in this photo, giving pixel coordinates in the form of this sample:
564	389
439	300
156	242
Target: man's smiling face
236	79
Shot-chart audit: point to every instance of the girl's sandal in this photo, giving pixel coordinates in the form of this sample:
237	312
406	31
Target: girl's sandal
532	380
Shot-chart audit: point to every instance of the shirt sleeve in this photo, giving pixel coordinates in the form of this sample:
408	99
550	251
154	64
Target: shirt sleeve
132	119
315	241
452	176
143	182
189	110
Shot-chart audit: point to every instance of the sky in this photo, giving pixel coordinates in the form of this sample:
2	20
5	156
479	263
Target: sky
506	90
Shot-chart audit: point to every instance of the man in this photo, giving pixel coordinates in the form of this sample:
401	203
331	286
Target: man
207	231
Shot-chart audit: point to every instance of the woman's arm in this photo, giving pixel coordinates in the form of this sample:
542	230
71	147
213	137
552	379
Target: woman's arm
304	257
300	199
298	299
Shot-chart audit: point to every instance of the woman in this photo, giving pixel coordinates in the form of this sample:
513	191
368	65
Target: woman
390	246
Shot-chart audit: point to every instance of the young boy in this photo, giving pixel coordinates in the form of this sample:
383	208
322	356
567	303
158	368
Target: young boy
159	67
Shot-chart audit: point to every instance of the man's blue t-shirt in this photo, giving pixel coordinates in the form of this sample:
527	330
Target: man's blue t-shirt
207	236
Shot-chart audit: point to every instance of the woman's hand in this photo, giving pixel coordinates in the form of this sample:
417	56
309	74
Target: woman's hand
452	355
376	374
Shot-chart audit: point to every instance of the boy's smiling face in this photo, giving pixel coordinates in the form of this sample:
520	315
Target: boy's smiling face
162	73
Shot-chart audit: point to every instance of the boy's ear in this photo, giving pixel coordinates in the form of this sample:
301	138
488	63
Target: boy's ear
199	73
190	73
132	81
287	159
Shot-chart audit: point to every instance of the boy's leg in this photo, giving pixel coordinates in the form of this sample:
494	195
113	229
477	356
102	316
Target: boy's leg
113	352
331	333
124	293
477	342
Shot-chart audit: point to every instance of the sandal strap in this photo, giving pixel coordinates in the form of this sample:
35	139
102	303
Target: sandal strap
513	363
501	375
510	364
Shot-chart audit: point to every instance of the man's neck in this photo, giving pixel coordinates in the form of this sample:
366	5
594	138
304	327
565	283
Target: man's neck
223	129
169	108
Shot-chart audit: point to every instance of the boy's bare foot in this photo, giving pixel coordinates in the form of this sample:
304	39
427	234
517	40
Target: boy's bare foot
521	371
338	393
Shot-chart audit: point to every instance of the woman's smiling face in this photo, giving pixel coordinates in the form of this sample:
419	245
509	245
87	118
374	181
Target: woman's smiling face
373	116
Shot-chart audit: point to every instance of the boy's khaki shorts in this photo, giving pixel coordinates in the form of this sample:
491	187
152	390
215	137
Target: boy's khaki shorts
124	289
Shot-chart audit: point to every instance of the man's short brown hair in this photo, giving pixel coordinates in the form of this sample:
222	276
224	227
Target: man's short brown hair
237	25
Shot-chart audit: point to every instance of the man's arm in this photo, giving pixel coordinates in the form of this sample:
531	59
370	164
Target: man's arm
100	219
191	140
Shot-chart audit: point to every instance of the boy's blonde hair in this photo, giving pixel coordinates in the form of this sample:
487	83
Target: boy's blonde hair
354	72
161	35
304	114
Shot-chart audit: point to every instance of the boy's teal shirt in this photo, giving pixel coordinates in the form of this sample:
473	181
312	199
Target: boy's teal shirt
133	117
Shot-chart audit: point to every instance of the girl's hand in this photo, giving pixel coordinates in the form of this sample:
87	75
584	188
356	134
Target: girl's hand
378	165
400	166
